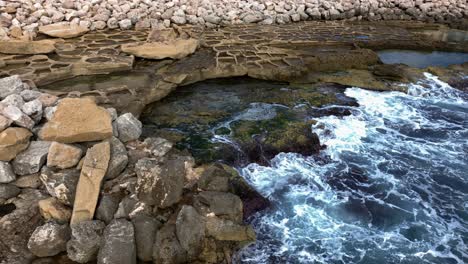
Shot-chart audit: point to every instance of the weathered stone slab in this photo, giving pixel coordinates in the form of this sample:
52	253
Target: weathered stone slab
63	156
13	140
63	30
176	49
119	244
77	120
94	169
32	159
27	47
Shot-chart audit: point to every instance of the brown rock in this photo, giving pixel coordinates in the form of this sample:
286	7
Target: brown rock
16	32
27	47
87	192
52	209
28	181
13	140
77	120
4	123
176	49
63	30
63	156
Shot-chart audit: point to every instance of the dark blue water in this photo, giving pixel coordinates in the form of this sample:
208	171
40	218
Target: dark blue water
391	187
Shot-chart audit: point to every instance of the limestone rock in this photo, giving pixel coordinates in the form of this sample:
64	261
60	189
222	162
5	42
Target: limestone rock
77	120
107	207
49	239
226	230
86	238
129	127
31	160
27	47
17	116
94	168
60	184
8	191
4	123
52	209
10	85
190	230
160	184
63	156
167	248
118	244
13	140
63	30
176	49
145	234
6	173
118	159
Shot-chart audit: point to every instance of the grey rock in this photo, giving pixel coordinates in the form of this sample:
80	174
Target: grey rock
4	123
167	248
214	178
33	109
118	244
10	85
49	112
61	184
213	19
253	17
29	95
125	24
129	127
32	159
118	159
6	173
158	146
49	239
190	230
222	204
17	116
86	237
226	230
8	191
158	183
145	234
126	206
113	113
107	207
14	100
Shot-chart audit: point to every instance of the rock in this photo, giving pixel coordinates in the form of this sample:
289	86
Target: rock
52	209
125	24
118	244
222	204
6	173
4	123
226	230
48	100
8	191
190	230
145	234
31	160
160	184
29	95
129	127
14	100
10	85
94	168
126	206
17	116
27	47
167	248
253	17
77	120
33	109
158	147
213	19
176	49
61	184
118	159
13	140
49	239
86	238
63	156
214	178
63	30
28	181
107	207
49	112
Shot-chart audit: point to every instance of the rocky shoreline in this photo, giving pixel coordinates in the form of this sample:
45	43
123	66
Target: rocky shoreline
77	183
24	19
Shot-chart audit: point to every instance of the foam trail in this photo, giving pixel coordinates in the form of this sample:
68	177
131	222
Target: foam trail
391	186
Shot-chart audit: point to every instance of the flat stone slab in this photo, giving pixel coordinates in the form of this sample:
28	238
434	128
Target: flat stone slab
63	30
27	47
175	49
13	140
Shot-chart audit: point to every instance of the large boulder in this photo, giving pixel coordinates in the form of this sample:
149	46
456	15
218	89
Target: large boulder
160	183
145	234
6	172
49	239
190	230
118	244
118	159
175	49
60	184
63	156
11	85
93	171
77	120
167	248
27	47
86	238
13	140
63	30
129	127
226	205
31	160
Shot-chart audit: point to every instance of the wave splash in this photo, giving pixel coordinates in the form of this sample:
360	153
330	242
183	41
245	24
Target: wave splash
391	186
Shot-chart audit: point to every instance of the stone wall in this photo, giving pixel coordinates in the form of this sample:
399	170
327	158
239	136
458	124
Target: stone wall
21	18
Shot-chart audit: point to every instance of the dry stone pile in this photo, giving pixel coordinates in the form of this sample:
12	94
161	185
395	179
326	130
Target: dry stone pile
76	182
23	19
